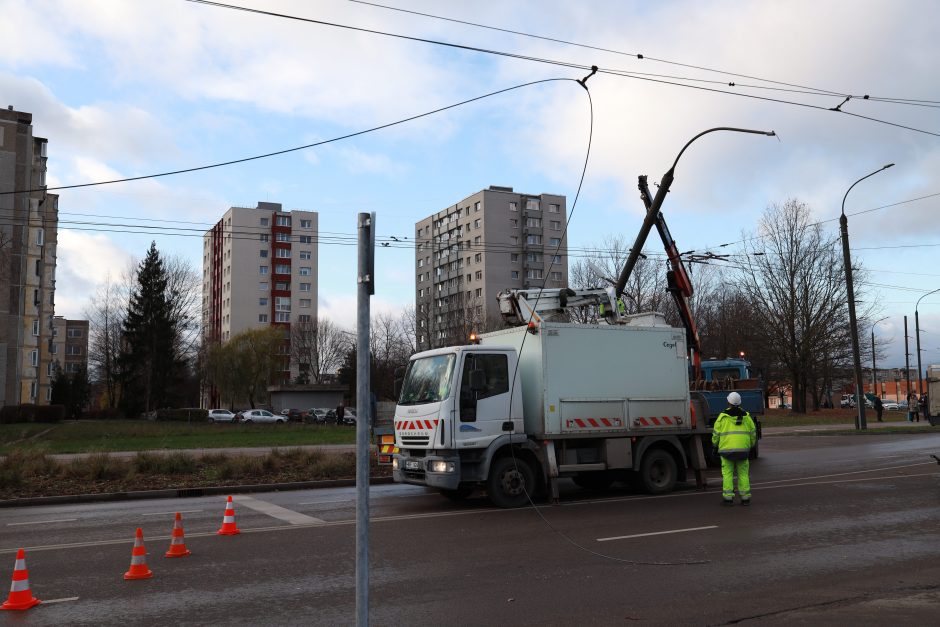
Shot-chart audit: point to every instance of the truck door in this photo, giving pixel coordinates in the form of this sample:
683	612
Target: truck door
483	400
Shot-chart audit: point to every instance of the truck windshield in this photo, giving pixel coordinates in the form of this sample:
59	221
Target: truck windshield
428	380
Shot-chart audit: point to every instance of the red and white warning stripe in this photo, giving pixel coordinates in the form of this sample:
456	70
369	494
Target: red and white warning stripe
411	425
593	423
658	421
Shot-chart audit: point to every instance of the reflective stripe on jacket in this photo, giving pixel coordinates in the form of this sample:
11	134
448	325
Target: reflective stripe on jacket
732	438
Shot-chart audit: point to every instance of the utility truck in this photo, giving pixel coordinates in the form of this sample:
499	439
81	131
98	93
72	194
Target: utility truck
522	407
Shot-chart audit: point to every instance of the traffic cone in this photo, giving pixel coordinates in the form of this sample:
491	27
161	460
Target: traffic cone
228	527
138	569
21	598
177	542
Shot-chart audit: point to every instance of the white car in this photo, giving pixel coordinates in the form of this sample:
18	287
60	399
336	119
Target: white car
221	415
892	405
262	416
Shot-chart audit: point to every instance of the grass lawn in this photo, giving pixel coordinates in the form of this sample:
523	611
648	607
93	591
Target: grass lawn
88	436
785	418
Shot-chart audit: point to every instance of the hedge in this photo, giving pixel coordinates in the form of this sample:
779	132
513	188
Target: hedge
32	413
192	414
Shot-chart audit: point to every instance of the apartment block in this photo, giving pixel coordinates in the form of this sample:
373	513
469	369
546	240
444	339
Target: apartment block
28	235
260	269
467	253
70	344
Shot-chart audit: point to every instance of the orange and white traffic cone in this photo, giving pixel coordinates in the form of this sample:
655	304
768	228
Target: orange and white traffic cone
138	569
21	598
228	527
177	541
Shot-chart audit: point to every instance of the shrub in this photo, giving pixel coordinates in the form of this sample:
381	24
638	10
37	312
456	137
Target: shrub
49	413
177	463
97	467
108	413
191	414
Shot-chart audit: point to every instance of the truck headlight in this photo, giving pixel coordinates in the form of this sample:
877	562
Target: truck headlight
441	466
394	463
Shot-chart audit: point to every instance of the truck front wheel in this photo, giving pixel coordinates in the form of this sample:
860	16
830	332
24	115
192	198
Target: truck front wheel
510	479
658	472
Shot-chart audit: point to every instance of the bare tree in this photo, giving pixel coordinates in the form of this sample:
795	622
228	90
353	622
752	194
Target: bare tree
105	317
184	295
318	348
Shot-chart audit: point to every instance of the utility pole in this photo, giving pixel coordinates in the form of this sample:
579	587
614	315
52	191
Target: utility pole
907	370
366	287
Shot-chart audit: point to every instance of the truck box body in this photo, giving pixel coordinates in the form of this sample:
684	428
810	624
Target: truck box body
581	380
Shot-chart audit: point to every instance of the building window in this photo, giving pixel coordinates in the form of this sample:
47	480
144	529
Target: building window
533	257
282	286
478	257
282	253
476	206
304	255
283	220
531	205
304	271
262	269
304	318
556	225
306	224
514	223
263	301
554	241
70	368
513	206
281	237
263	237
477	223
420	264
39	267
54	348
514	240
40	237
556	276
282	316
32	389
421	292
305	303
533	239
533	222
73	350
262	317
264	221
556	258
514	257
479	275
305	239
33	358
514	274
479	292
477	240
263	253
263	286
282	268
282	303
553	208
304	287
36	327
533	274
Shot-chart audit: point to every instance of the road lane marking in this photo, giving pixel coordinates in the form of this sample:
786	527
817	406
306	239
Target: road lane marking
182	511
657	533
62	600
842	474
42	522
350	500
276	511
345	523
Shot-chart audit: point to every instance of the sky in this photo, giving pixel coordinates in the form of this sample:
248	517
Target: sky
132	88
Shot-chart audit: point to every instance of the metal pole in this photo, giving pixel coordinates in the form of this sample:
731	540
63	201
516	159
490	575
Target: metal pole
920	389
859	392
363	419
907	370
874	381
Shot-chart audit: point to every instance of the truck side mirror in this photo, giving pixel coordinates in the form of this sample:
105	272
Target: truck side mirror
477	381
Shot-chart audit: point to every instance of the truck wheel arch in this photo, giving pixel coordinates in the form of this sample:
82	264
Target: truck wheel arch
669	443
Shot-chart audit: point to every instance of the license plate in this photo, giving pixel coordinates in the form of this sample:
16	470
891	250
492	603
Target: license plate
412	464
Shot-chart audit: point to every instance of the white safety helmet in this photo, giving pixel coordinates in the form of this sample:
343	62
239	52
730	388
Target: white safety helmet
734	399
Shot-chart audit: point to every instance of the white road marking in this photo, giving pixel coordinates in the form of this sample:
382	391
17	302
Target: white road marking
62	600
842	474
276	511
182	511
656	533
350	500
42	522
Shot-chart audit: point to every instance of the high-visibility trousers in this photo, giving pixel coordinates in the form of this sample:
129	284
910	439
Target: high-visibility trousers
728	470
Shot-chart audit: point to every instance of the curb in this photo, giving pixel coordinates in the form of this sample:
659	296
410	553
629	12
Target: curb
186	492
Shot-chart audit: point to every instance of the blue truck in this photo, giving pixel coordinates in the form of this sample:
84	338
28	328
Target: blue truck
718	378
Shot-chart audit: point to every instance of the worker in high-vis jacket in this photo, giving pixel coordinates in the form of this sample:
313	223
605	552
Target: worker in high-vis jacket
733	436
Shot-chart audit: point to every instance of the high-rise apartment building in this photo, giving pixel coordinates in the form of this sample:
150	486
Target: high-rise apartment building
27	262
70	344
467	253
259	268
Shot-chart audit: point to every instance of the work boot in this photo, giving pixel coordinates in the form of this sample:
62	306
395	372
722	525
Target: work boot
745	502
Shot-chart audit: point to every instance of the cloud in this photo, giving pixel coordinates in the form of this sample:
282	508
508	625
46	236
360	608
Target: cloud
84	263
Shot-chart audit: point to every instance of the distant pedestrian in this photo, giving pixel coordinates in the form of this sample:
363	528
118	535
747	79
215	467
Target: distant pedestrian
879	407
913	408
733	436
340	413
924	406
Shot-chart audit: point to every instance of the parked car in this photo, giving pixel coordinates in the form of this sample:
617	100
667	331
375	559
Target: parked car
297	415
892	405
221	415
262	416
847	400
349	416
320	415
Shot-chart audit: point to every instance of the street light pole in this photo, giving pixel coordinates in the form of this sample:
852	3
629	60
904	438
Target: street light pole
853	327
920	390
874	377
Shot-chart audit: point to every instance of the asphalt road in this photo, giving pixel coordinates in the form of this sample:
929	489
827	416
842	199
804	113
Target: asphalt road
842	530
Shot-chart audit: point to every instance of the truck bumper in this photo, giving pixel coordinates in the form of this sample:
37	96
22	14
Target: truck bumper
420	470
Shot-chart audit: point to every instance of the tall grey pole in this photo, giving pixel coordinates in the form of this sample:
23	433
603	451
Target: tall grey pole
853	326
874	377
917	333
366	287
907	369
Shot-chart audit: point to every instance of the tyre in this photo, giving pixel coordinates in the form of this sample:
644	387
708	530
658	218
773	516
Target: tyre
754	452
457	495
658	472
280	422
600	480
509	481
247	421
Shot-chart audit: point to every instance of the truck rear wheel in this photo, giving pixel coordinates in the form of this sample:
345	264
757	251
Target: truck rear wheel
509	481
658	472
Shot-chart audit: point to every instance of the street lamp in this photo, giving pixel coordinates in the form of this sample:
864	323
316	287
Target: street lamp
874	380
853	328
917	333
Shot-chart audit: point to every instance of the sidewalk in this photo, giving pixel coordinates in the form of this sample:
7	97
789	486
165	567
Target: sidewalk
842	426
259	451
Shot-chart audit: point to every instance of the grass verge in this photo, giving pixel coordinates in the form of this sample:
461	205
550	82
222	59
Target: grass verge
31	473
89	436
